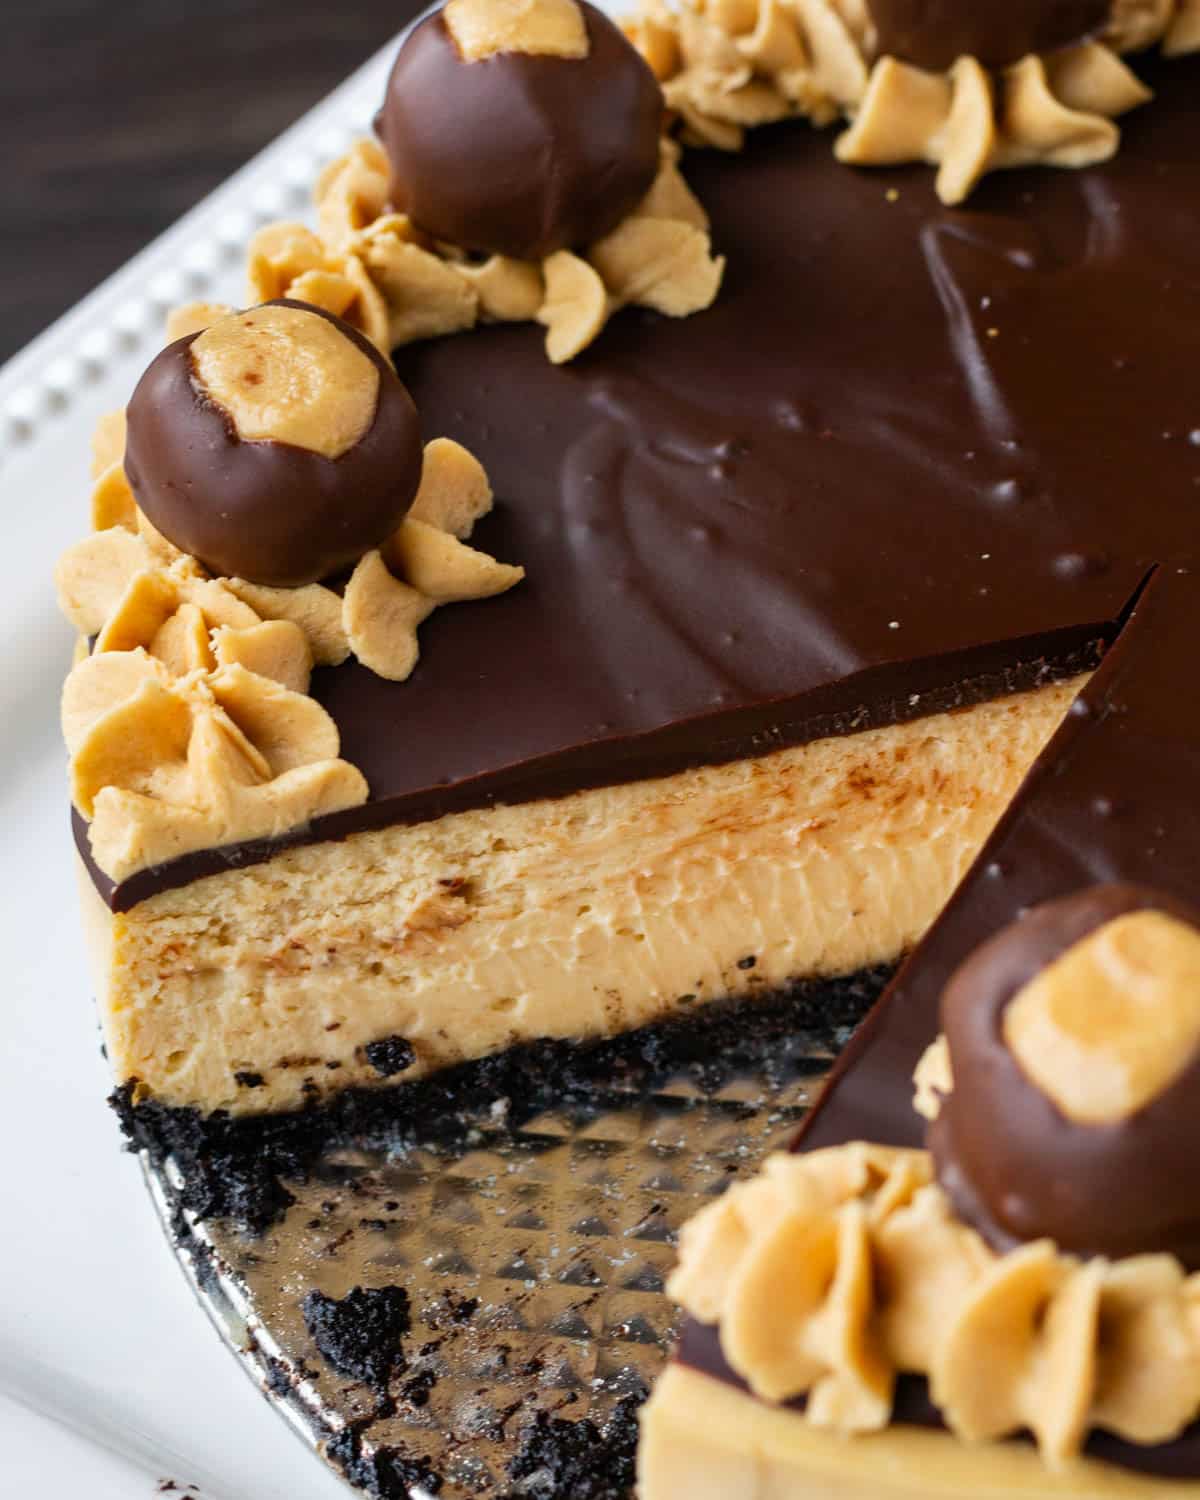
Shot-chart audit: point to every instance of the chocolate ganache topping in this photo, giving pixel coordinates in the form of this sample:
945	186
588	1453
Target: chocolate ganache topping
1074	1040
277	445
906	455
520	140
935	33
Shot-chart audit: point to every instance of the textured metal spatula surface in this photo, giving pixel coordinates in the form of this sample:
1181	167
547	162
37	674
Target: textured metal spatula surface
530	1245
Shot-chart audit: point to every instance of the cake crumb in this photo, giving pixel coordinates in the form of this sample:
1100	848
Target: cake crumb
360	1334
558	1457
390	1055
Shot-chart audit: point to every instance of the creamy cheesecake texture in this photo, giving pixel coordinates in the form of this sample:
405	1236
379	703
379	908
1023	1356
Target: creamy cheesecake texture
707	1440
258	989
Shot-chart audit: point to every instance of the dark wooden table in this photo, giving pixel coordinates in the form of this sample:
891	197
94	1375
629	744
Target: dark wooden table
117	115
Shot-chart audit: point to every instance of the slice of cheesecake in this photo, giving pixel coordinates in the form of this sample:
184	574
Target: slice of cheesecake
1108	801
576	917
809	580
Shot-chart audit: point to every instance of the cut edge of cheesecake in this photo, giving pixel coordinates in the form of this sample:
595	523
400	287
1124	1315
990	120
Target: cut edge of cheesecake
705	1439
393	954
1109	799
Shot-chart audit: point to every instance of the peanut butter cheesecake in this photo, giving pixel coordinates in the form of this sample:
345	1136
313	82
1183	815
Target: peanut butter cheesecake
677	630
989	1228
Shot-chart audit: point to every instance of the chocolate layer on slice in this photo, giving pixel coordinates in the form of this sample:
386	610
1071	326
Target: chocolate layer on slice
908	447
1111	799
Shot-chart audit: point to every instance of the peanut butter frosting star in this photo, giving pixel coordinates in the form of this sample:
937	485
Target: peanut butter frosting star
126	583
660	256
401	262
729	65
1056	111
1072	1039
832	1273
426	555
163	764
208	675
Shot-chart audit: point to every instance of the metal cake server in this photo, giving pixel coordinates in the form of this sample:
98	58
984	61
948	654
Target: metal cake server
533	1252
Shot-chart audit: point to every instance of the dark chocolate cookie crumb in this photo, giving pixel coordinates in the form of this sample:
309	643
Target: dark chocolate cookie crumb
232	1168
461	1309
280	1381
385	1473
248	1080
225	1172
390	1055
360	1334
418	1390
558	1458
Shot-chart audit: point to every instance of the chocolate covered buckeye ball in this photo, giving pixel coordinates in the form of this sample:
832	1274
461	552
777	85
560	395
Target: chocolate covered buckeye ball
520	127
277	445
934	33
1074	1046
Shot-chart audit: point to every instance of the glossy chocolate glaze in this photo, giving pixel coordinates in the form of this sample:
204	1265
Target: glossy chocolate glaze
1014	1166
517	154
269	512
835	490
1112	798
933	33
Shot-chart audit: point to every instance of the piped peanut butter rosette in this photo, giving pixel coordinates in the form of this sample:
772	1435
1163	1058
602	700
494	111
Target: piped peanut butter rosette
968	89
834	1272
278	445
574	210
164	764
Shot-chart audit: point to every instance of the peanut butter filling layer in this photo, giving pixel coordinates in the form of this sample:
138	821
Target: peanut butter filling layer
578	917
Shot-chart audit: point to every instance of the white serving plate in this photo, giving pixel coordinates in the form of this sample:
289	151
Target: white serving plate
111	1379
113	1383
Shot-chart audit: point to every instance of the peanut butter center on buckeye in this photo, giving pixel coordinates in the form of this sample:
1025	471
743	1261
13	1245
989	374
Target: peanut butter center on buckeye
539	28
288	376
1114	1021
